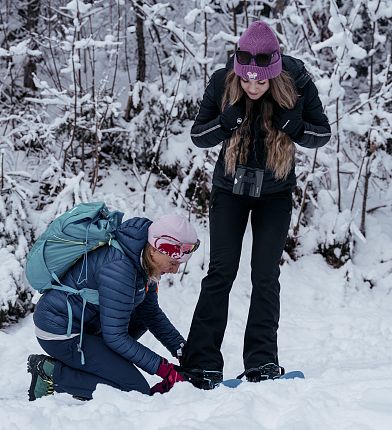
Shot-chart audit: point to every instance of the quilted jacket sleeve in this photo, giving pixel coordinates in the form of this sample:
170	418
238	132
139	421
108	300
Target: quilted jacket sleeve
158	323
116	286
317	130
207	130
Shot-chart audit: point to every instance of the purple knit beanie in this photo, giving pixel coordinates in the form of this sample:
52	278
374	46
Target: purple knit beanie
258	38
172	230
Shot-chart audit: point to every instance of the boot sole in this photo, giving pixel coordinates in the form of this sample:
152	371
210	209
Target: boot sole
34	377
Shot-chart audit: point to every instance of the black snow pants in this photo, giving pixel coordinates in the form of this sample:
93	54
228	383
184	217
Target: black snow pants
270	221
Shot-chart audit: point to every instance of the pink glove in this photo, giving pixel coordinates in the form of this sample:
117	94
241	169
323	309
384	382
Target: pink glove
169	375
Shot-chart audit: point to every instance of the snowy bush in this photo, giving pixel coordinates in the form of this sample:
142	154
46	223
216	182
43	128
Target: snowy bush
15	238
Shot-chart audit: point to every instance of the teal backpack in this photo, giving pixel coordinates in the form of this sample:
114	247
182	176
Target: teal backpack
68	238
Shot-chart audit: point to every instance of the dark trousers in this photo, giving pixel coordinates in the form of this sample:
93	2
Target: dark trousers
270	220
102	366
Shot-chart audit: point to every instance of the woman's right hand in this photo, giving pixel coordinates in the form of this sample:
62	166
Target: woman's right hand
233	115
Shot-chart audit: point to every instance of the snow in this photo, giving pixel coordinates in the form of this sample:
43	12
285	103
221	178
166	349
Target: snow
20	49
177	148
77	6
191	16
225	37
337	335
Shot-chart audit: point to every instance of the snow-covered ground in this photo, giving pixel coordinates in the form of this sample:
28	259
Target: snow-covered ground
338	336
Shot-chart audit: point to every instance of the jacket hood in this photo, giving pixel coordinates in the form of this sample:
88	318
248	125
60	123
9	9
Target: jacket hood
294	66
132	235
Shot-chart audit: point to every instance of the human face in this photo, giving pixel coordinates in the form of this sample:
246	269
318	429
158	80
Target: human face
255	89
163	263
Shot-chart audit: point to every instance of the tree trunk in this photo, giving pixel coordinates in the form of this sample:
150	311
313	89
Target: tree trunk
30	14
141	49
141	63
368	173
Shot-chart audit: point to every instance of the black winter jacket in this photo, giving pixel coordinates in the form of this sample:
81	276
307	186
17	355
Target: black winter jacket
207	130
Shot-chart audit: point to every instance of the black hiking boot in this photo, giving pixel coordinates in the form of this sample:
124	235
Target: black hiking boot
202	379
263	373
41	368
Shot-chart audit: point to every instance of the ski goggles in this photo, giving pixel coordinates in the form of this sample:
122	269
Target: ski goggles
174	248
262	60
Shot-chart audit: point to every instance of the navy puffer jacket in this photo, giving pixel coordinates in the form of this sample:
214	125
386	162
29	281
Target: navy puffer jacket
121	283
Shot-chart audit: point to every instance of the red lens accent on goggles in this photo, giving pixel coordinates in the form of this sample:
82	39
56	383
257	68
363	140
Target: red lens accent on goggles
170	246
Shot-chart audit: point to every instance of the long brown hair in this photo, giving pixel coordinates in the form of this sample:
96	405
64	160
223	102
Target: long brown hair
148	264
279	148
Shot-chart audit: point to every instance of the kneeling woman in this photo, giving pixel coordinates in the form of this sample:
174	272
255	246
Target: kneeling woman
128	307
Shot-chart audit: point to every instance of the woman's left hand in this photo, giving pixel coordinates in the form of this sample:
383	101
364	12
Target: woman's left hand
169	375
290	120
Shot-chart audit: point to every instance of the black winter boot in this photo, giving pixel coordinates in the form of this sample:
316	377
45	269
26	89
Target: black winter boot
41	368
263	372
203	379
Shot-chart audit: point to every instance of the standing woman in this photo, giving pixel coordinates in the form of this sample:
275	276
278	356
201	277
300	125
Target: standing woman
258	110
